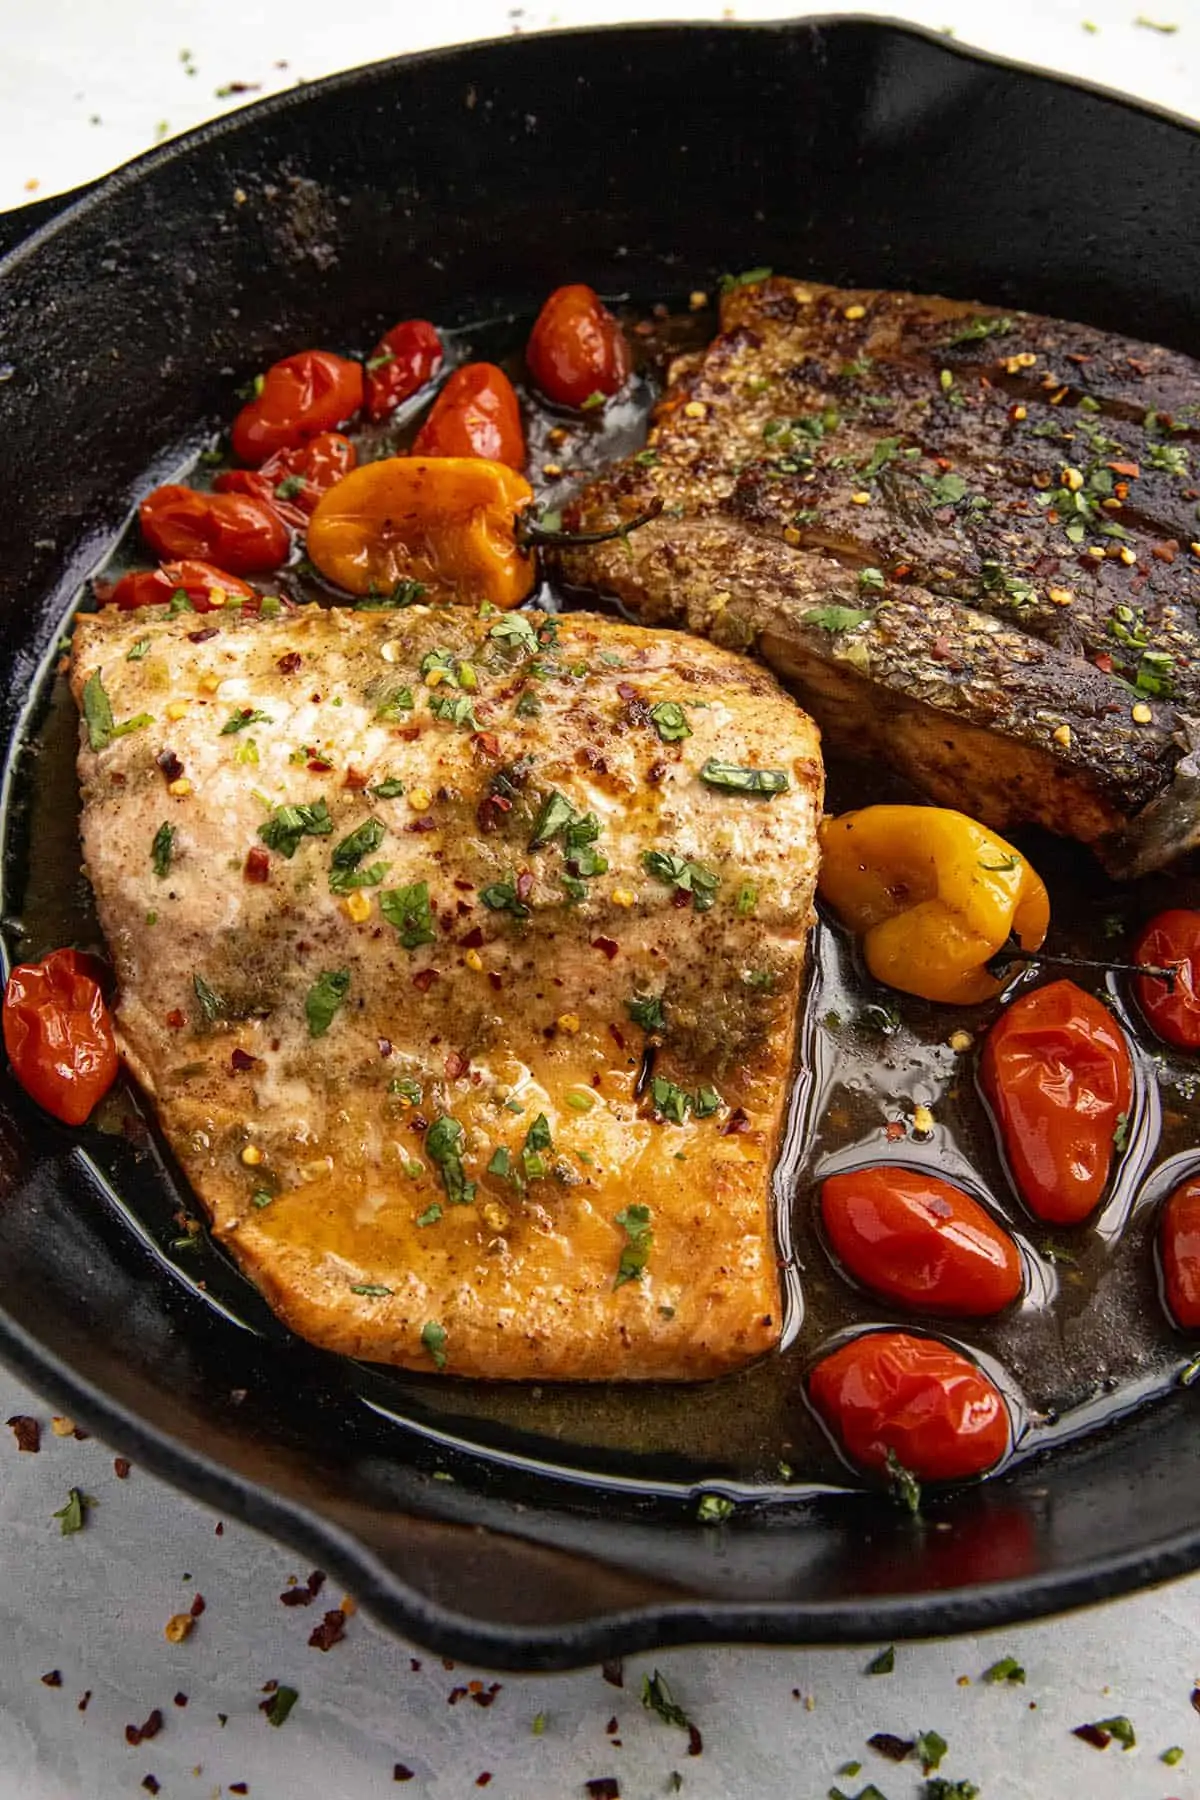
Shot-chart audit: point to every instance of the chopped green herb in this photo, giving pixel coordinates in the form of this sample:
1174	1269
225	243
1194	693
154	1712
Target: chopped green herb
885	451
903	1484
1007	1669
556	814
706	1102
834	618
748	278
180	602
851	1769
1119	1728
406	1088
395	703
870	581
515	630
260	1198
714	1509
733	780
929	1749
647	458
98	715
290	488
670	721
247	753
372	1289
433	1339
502	896
945	490
391	789
323	1000
72	1516
689	877
529	706
139	650
1172	1756
501	1163
280	1705
455	709
162	849
635	1254
941	1789
244	716
539	1724
211	1004
345	874
658	1698
409	910
884	1663
880	1018
647	1011
981	328
443	1147
594	401
1120	1136
1171	459
405	593
288	824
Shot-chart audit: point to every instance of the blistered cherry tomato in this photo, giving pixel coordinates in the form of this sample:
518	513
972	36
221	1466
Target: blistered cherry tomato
1057	1073
576	348
1179	1241
236	531
921	1241
300	396
476	414
1171	941
198	580
292	481
936	1412
58	1034
404	359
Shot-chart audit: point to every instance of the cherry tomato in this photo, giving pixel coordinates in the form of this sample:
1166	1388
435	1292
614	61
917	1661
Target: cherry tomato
292	481
934	1409
1057	1072
300	396
1179	1241
476	414
198	580
576	348
58	1034
1171	941
921	1241
236	531
404	359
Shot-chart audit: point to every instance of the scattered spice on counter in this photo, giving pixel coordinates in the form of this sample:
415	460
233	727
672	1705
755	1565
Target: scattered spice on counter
279	1704
52	1678
613	1672
402	1772
73	1515
27	1432
604	1787
896	1749
330	1631
304	1592
181	1699
142	1734
121	1467
1101	1732
884	1663
85	1700
178	1627
151	1784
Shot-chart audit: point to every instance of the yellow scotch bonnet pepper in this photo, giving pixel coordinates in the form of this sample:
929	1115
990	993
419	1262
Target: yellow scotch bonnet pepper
934	895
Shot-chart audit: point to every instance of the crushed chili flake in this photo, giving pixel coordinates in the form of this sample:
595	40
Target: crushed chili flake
181	1699
524	885
287	665
355	780
896	1749
485	742
150	1782
241	1060
318	765
330	1631
1094	1735
197	1605
27	1432
121	1467
170	764
239	1787
456	1066
414	1663
613	1672
402	1772
258	865
609	946
141	1734
202	637
738	1120
612	1727
85	1699
695	1741
424	979
304	1593
219	1529
473	939
604	1787
483	1780
484	1696
52	1678
455	1695
894	1131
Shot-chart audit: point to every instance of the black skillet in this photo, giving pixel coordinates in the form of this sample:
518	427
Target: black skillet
643	160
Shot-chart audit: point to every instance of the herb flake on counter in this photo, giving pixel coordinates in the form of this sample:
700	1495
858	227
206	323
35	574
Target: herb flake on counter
670	721
1172	1756
734	780
1007	1669
681	873
940	1789
288	824
324	1000
1101	1732
433	1340
929	1750
635	1222
443	1147
244	717
279	1705
162	849
409	910
884	1663
72	1517
658	1698
98	715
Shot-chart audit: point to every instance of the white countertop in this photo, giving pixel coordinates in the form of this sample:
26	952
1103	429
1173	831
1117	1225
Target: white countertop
82	88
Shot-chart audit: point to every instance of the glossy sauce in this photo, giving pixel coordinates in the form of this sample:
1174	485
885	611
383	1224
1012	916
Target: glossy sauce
1089	1338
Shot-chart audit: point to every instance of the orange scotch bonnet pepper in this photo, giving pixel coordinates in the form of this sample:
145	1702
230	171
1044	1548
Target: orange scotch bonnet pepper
934	895
448	522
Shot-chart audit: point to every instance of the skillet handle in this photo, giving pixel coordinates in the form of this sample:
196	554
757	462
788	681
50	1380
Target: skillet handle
23	221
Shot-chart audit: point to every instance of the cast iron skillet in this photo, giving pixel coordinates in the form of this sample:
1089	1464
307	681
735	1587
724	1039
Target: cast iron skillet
642	160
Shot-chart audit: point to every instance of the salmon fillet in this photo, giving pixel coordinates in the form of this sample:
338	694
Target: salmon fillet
477	1052
967	540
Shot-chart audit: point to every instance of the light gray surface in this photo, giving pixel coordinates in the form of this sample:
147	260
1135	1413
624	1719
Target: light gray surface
94	1606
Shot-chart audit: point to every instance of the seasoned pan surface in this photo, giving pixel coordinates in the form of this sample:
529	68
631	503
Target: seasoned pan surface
865	153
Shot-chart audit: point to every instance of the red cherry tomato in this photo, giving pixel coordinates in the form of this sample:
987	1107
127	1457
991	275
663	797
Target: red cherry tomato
576	348
292	481
300	396
58	1034
198	580
236	531
476	414
1179	1240
404	359
1057	1073
1171	941
934	1409
921	1241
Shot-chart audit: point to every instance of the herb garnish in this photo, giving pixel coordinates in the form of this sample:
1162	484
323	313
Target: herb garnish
405	593
244	716
502	896
941	1789
72	1516
647	1011
929	1749
635	1222
391	789
455	709
903	1484
515	630
408	909
431	1215
981	328
288	824
211	1004
884	1663
433	1339
443	1147
658	1698
1007	1669
1120	1136
1101	1732
670	721
140	649
529	706
395	703
162	849
373	1289
748	278
98	715
714	1509
280	1705
323	1000
834	618
345	874
885	451
733	780
687	876
556	814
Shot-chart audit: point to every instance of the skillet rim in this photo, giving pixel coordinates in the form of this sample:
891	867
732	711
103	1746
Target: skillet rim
395	1603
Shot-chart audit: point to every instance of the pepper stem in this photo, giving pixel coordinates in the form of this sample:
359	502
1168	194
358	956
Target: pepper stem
1012	953
530	533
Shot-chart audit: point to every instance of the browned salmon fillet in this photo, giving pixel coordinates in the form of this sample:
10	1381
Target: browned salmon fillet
461	960
967	539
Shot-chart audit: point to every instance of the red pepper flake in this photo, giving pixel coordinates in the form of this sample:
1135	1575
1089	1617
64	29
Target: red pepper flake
894	1131
319	766
85	1699
456	1066
409	733
287	665
239	1787
484	1779
484	1696
141	1734
1196	1699
121	1467
738	1121
52	1678
613	1672
304	1593
615	1034
695	1741
330	1631
1104	662
355	779
524	885
219	1528
455	1695
414	1663
473	939
612	1727
1096	1736
181	1699
198	1604
604	1787
485	743
655	773
424	979
258	865
170	764
151	1782
176	1020
241	1060
27	1432
424	823
896	1749
402	1772
202	637
608	945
